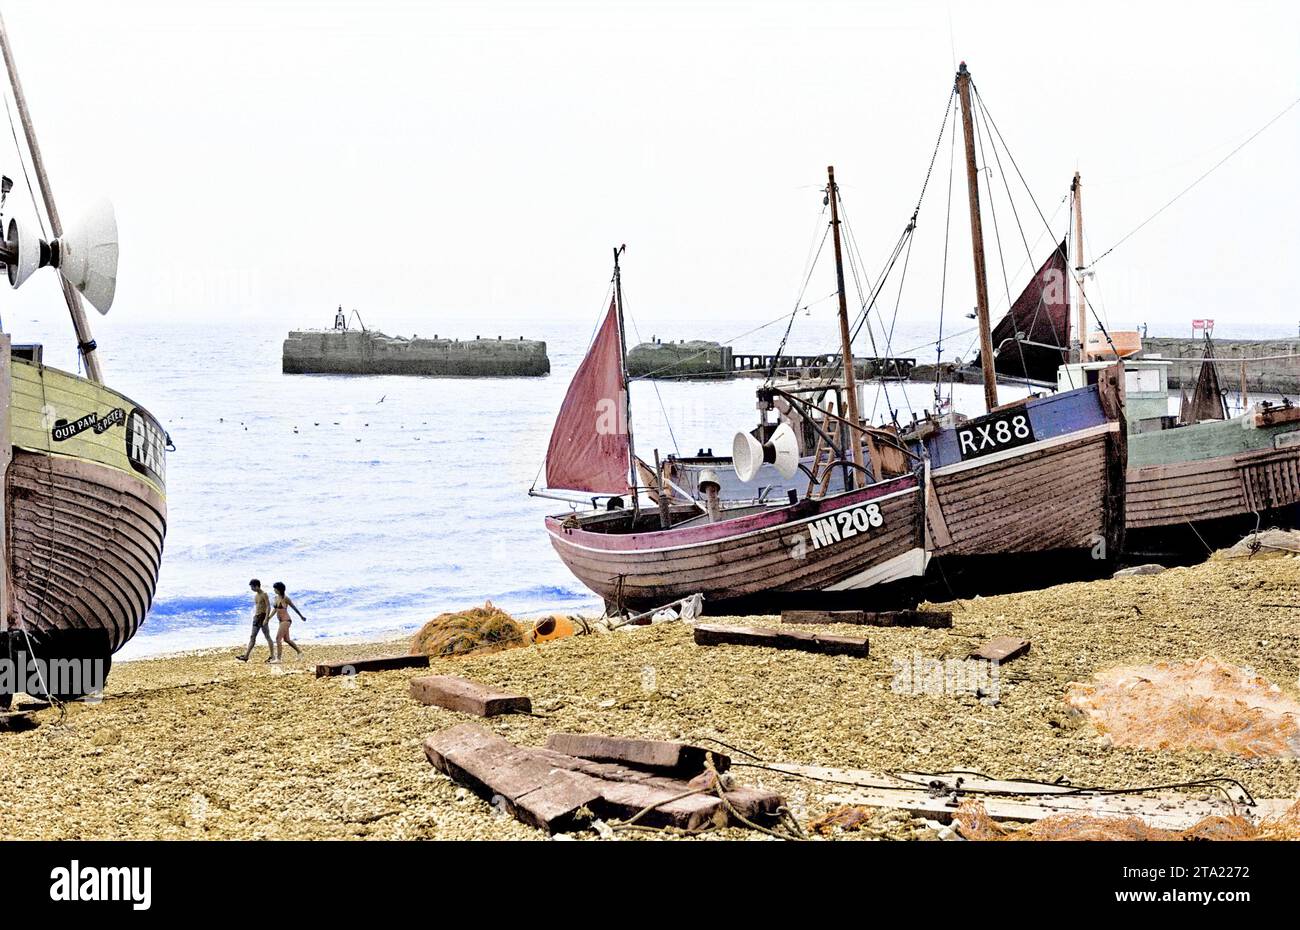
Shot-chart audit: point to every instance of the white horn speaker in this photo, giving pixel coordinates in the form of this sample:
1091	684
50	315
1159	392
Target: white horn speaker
27	247
748	455
88	256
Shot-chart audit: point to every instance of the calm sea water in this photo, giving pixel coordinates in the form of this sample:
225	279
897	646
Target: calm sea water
383	501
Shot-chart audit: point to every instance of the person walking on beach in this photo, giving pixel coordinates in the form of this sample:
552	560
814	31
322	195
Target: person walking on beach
282	604
261	621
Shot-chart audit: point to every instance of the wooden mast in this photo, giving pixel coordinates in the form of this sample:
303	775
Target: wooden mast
846	347
632	476
85	342
977	242
1081	310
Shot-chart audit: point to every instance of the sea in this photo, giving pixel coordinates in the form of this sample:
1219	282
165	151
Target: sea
383	501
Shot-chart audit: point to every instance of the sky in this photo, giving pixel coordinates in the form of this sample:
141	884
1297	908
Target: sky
419	161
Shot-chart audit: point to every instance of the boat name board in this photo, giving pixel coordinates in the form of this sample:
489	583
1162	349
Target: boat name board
146	446
63	430
988	434
845	525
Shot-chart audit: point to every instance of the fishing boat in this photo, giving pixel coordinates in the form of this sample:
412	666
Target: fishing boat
1034	476
1195	479
637	556
84	510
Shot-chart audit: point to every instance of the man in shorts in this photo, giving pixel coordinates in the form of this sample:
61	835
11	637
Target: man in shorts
261	621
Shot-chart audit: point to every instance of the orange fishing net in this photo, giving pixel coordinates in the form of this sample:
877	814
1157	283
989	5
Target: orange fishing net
974	823
1205	704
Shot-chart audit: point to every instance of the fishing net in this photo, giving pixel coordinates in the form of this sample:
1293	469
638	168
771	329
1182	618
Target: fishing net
473	630
1205	704
974	823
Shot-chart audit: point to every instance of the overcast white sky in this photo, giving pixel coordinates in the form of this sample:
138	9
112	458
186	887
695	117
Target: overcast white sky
272	159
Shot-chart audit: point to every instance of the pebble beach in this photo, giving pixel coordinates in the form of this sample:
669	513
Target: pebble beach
199	746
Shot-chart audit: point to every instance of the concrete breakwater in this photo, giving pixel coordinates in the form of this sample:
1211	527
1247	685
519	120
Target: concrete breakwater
1275	376
1278	374
368	352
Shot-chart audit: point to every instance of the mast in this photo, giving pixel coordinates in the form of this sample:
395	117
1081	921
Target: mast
622	366
977	242
85	342
846	347
1081	310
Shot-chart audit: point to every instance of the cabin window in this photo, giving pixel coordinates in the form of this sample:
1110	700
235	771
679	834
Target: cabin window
1142	381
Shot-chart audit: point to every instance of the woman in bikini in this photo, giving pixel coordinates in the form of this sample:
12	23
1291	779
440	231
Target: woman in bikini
281	607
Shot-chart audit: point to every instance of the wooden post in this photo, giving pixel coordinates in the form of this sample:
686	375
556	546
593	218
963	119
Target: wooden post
1244	400
664	520
977	242
1081	310
846	347
85	342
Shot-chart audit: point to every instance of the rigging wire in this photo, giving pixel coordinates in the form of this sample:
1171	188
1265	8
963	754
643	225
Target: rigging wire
997	239
1210	171
23	163
1077	279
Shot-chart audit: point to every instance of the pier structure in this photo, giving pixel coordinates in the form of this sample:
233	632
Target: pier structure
703	360
369	352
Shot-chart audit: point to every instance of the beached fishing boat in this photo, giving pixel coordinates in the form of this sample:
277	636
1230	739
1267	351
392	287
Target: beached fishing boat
638	556
1034	476
1193	479
84	510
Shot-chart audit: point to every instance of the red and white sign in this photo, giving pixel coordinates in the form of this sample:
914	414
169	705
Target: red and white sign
1205	326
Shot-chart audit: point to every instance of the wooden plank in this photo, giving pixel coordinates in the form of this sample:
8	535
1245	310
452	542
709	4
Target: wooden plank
553	791
1274	416
468	697
709	634
529	788
927	618
17	721
373	664
655	755
1001	649
1167	813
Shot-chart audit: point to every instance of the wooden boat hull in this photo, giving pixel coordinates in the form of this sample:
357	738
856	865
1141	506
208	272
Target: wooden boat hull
85	514
1213	489
1213	471
849	541
1057	487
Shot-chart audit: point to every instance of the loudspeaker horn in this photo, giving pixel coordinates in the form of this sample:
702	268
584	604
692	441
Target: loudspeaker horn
748	455
88	256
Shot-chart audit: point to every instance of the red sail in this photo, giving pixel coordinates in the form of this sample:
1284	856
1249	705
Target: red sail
589	448
1041	317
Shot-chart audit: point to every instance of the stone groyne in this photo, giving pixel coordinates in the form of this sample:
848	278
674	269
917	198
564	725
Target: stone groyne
1276	376
368	352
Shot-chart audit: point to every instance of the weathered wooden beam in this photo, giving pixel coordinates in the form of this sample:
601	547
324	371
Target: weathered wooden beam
927	618
554	791
1001	649
468	697
1164	812
17	721
529	788
373	664
656	755
709	634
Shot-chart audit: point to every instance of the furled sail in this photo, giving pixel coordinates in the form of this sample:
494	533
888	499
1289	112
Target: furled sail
589	449
1033	339
1206	401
